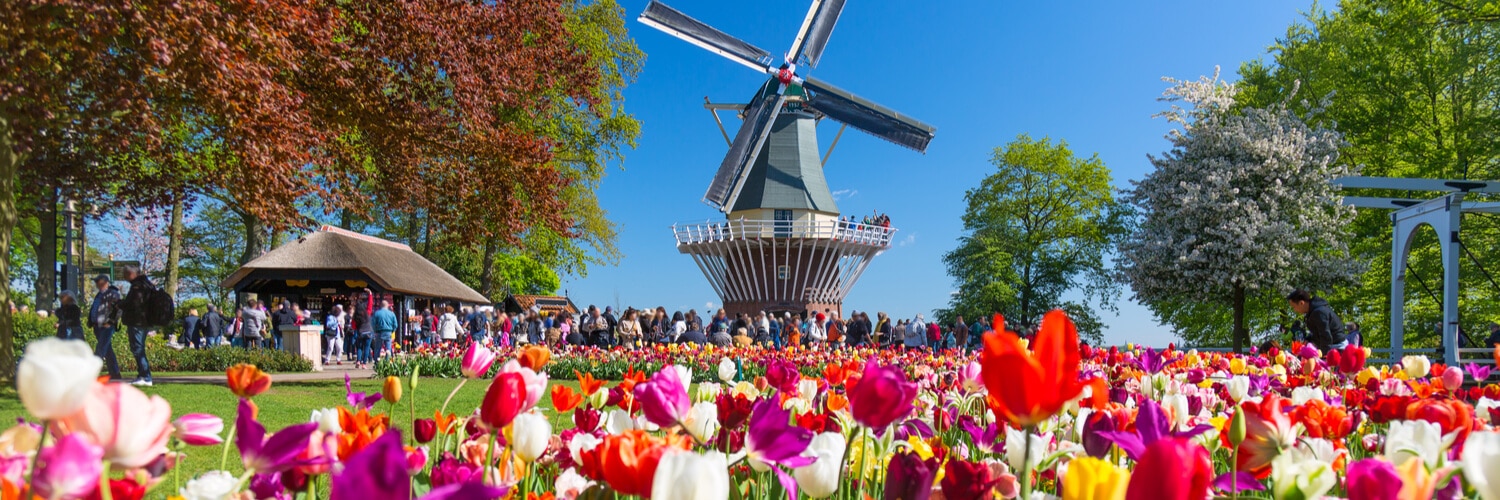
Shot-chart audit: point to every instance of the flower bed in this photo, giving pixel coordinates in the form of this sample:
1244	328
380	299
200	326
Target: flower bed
1047	420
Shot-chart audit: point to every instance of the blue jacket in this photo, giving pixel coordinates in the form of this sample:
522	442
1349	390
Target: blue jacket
384	321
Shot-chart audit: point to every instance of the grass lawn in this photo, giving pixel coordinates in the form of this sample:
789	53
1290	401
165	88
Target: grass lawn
288	403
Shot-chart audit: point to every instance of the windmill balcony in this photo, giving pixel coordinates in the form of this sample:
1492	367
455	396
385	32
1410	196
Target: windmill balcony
741	229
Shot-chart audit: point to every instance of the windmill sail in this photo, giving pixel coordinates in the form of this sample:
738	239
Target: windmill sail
742	153
658	15
813	37
868	116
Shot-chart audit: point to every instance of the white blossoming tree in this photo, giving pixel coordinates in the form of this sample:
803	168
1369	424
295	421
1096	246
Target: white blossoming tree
1242	205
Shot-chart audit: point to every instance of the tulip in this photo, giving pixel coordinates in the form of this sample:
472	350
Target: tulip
1296	477
56	376
327	420
359	400
1027	388
1352	359
1373	479
570	485
1089	478
564	399
424	429
391	390
536	384
378	471
128	488
1416	366
477	361
702	421
1150	425
1452	378
820	479
1481	464
664	398
69	469
467	490
534	357
1238	387
199	429
1268	431
908	477
1171	469
629	461
1016	452
503	401
727	370
1409	439
882	396
528	436
964	480
247	381
131	427
212	485
684	475
269	455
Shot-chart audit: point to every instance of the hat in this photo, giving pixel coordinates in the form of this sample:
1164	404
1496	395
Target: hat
101	277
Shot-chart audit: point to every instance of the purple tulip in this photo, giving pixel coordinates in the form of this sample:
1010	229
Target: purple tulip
1150	426
471	490
663	399
268	486
908	477
985	438
1477	372
1151	361
69	469
359	400
773	441
1094	443
378	471
1235	482
199	429
267	455
882	396
1372	479
913	427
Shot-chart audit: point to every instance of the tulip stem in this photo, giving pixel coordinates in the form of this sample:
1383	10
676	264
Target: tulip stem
489	456
224	458
35	460
105	491
1026	465
460	385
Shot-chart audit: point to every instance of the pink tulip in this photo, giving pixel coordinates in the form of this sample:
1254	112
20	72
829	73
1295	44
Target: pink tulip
131	427
969	376
536	384
1453	378
199	429
70	469
664	398
477	361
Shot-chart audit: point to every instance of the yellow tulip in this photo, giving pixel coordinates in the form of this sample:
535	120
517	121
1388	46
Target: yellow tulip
1090	478
1367	374
1237	366
391	390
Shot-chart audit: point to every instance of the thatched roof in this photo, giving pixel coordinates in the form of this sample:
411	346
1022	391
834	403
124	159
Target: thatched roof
332	254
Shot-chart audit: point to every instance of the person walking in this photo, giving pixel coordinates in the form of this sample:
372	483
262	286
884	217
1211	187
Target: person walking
211	327
448	325
69	317
385	323
1324	329
915	336
252	321
104	317
190	334
333	334
133	314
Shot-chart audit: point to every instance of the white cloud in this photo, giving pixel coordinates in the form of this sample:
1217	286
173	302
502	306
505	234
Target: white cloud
708	305
844	194
908	240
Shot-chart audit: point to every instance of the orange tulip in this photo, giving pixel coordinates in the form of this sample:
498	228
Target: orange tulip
246	380
358	430
589	384
564	399
628	460
391	390
837	401
444	423
836	374
1029	387
534	357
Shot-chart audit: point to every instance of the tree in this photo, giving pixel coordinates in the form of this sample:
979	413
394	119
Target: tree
1413	86
1036	229
1241	206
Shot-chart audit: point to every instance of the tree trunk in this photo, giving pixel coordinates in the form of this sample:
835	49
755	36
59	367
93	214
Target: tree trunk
46	251
10	162
427	240
487	270
255	237
1241	334
174	245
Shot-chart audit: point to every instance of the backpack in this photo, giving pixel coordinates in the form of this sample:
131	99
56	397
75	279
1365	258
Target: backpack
160	310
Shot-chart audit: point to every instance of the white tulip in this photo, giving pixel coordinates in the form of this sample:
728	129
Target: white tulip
1238	387
727	370
529	435
684	475
580	443
819	479
708	391
1016	454
1416	366
328	420
807	389
746	389
598	398
56	376
1179	410
1293	476
1304	394
570	484
684	374
1481	463
1482	409
212	485
831	442
702	420
618	421
1408	439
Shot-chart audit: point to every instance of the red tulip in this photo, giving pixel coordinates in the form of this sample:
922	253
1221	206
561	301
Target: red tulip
503	401
1029	387
967	480
1352	359
1171	469
424	429
882	396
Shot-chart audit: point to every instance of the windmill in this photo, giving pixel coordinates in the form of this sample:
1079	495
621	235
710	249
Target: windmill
783	246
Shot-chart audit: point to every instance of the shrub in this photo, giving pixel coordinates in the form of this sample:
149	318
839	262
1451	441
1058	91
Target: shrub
30	326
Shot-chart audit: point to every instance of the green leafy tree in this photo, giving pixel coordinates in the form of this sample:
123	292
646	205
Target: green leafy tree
1036	230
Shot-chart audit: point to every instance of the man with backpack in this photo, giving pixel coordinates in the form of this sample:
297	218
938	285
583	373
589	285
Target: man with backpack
142	309
104	318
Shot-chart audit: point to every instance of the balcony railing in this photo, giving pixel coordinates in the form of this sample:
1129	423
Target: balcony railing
732	230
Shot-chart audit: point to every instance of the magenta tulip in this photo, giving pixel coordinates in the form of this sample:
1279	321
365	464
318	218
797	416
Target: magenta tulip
199	429
378	471
70	469
882	396
908	477
1372	479
663	399
477	361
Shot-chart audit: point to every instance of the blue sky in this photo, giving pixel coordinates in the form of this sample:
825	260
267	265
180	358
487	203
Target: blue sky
981	72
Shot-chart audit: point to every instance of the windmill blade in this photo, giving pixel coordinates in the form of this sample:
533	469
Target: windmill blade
813	36
658	15
865	115
742	153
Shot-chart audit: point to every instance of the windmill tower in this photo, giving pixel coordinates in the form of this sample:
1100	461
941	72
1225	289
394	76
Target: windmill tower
782	245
